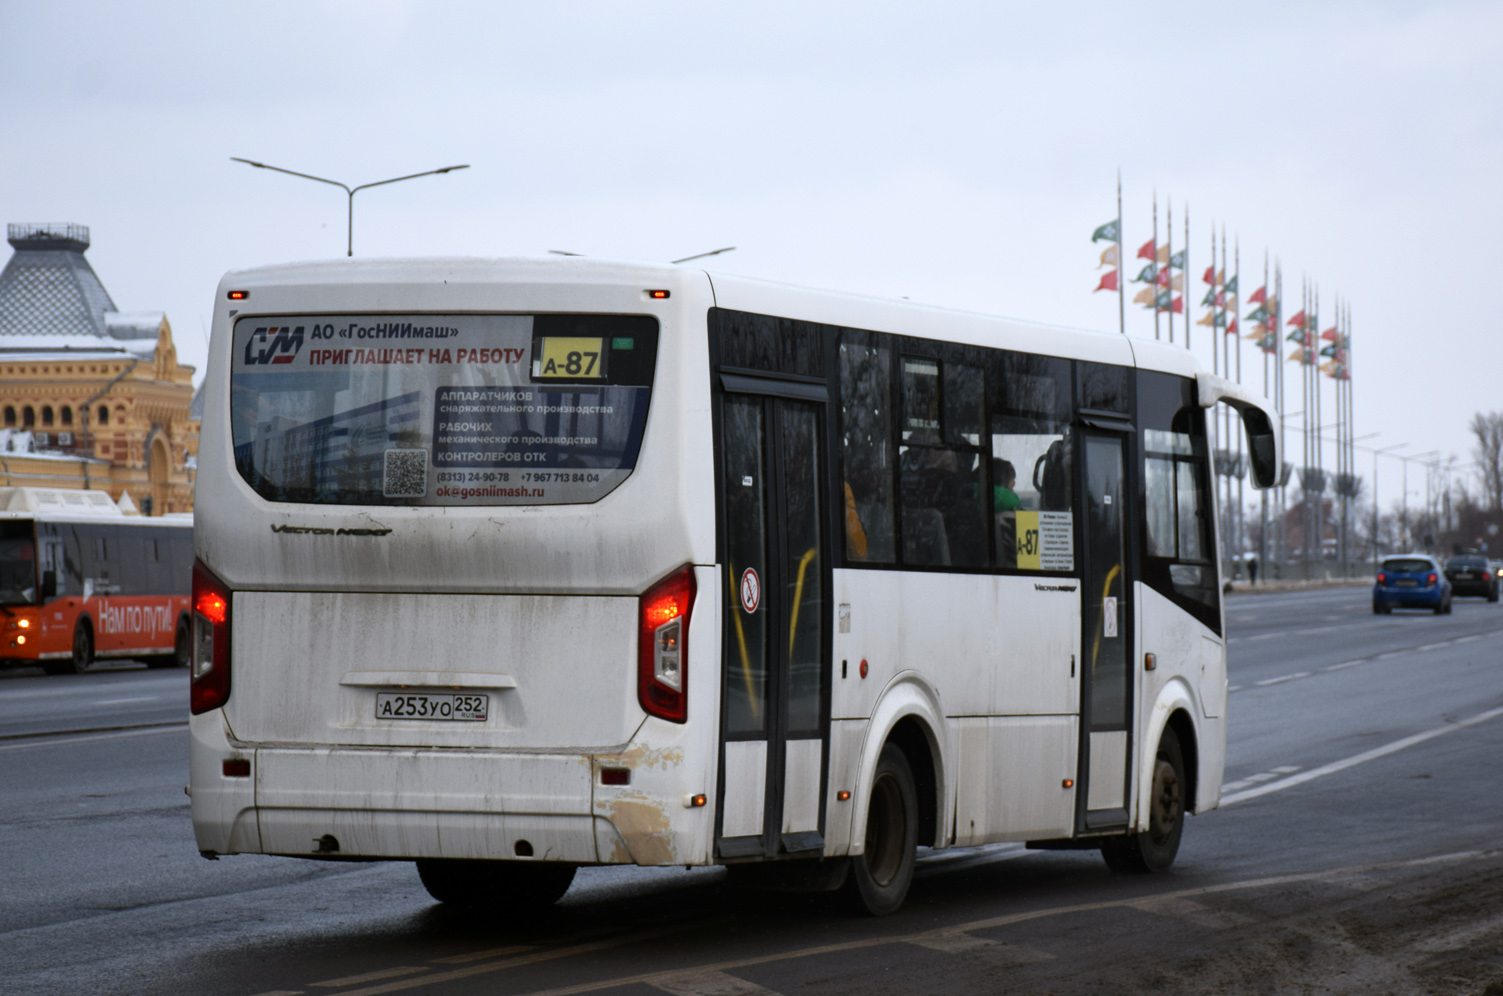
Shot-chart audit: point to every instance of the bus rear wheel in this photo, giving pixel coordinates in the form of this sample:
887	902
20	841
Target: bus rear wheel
880	877
1154	849
180	650
499	886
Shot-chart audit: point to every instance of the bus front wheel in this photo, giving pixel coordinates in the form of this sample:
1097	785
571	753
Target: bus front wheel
880	877
500	886
1155	848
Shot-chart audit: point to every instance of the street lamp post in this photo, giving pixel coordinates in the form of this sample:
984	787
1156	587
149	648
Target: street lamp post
351	191
1376	454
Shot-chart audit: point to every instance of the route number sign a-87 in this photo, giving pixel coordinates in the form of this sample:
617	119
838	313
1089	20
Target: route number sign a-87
569	358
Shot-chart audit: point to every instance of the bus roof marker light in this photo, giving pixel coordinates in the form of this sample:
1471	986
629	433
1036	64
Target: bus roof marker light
657	295
238	295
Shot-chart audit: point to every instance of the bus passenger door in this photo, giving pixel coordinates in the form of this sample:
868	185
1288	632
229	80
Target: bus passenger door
774	690
1106	678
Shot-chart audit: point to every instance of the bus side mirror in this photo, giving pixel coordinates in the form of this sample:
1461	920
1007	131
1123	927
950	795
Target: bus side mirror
49	585
1262	447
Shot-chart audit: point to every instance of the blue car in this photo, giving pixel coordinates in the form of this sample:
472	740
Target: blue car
1413	581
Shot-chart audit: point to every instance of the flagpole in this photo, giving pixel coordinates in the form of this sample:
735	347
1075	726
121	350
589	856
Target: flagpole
1121	263
1169	265
1187	270
1263	493
1236	310
1155	304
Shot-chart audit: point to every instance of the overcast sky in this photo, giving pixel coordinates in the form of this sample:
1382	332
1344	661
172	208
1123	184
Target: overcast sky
956	153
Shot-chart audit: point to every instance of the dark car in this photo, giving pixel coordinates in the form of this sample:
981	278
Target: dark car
1413	581
1471	574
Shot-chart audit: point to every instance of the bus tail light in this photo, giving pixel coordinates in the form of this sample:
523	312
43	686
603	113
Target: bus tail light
210	687
662	646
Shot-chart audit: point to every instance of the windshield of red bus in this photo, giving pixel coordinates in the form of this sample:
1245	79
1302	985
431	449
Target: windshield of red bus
18	564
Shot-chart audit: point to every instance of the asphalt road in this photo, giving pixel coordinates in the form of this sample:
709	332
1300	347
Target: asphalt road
1356	851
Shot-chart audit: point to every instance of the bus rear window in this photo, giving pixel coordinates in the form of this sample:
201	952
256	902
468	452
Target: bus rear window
440	409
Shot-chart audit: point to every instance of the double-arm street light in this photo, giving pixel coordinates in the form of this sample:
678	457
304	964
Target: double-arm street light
351	191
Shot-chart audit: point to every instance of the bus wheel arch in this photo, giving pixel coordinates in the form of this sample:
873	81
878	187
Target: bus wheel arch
908	714
1175	709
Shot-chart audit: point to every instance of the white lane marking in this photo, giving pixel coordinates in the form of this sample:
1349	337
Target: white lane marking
1356	759
1190	911
174	728
1345	664
1467	639
139	698
1261	777
1234	688
1434	646
480	955
385	973
1280	680
1286	769
281	992
700	982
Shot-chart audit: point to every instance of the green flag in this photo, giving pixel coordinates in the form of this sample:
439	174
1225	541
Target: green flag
1221	319
1209	300
1231	286
1258	314
1164	300
1147	275
1107	232
1178	260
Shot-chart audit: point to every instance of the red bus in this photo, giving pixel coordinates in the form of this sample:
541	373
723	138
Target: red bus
81	580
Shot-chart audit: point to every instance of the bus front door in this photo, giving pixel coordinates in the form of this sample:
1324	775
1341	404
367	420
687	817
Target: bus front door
773	753
1106	688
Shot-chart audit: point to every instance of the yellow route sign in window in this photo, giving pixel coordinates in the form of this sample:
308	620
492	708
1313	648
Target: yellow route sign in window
569	358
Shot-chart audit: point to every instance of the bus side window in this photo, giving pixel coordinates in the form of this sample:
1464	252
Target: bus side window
866	448
943	518
1177	545
1033	514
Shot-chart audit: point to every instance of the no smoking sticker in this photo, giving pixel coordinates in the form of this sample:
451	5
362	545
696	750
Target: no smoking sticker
751	590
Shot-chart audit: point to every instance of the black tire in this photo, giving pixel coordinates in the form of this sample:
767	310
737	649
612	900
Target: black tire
509	887
1377	609
881	876
83	652
1154	849
180	651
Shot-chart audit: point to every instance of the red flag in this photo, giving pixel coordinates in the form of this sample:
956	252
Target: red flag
1232	328
1329	334
1179	306
1221	299
1210	276
1108	282
1163	277
1298	321
1259	296
1146	251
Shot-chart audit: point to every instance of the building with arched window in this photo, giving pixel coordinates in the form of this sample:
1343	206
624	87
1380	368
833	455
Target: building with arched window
90	396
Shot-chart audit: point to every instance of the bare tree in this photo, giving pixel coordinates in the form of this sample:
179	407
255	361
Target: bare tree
1488	428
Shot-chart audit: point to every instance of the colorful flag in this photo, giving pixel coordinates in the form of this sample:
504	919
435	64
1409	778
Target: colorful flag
1162	277
1163	254
1305	356
1107	232
1329	334
1146	275
1144	297
1269	343
1210	276
1298	321
1179	306
1177	282
1221	319
1209	319
1231	285
1145	251
1109	256
1108	282
1259	296
1210	299
1162	301
1178	260
1258	314
1232	328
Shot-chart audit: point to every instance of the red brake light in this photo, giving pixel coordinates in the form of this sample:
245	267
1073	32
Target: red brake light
1486	576
210	687
662	646
1430	579
1382	578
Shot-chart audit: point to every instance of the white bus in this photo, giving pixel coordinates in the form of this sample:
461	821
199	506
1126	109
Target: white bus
513	566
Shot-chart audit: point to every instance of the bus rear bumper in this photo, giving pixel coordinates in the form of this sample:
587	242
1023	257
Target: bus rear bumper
348	802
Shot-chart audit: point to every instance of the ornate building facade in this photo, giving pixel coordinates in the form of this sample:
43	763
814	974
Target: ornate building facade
89	396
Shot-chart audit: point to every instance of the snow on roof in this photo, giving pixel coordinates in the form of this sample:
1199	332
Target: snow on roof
134	324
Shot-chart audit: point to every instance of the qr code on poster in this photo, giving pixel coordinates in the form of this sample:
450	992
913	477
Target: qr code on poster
405	474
